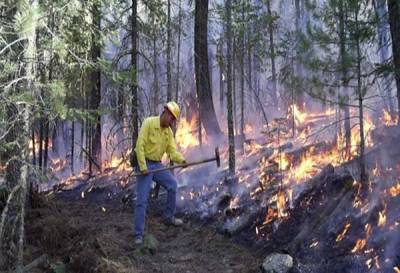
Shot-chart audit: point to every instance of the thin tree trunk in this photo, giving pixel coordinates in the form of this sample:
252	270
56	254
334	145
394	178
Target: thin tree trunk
272	54
383	42
394	22
169	83
229	86
234	89
203	85
221	75
95	95
40	152
46	143
241	60
363	173
155	71
33	147
178	61
249	66
30	56
72	146
134	89
344	80
298	67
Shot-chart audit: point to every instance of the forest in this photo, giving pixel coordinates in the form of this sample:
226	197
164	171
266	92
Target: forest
287	118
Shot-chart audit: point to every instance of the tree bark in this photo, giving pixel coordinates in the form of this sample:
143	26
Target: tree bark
178	61
95	94
344	78
383	42
220	61
203	86
134	89
156	92
231	136
363	172
169	83
272	54
394	22
242	50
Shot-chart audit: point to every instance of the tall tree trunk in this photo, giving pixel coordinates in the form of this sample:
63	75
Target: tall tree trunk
33	147
344	78
95	94
383	42
203	86
72	146
363	173
134	89
241	60
46	143
169	81
220	61
298	66
231	136
249	67
272	54
178	61
394	22
156	99
234	85
41	135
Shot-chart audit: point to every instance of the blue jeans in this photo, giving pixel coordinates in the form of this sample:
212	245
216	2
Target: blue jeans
143	187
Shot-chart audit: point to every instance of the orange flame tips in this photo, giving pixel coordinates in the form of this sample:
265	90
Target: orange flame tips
185	137
343	233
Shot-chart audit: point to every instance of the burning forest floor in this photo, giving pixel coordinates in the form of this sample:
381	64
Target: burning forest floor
293	207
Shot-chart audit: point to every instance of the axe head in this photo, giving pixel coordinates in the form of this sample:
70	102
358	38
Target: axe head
217	157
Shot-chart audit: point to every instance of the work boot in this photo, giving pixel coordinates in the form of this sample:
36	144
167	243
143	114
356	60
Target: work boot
138	241
173	221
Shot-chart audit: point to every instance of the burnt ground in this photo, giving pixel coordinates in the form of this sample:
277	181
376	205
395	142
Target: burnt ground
95	234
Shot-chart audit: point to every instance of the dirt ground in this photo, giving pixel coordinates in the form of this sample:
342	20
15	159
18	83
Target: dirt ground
94	235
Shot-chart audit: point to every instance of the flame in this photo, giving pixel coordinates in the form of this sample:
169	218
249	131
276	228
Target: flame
343	233
361	243
387	119
37	142
284	162
395	190
382	217
281	204
185	137
396	269
118	164
248	129
299	117
58	164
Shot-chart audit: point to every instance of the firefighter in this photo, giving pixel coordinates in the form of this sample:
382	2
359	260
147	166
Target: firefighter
154	140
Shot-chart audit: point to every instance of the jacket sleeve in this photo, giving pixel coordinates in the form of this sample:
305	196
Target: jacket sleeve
173	154
140	143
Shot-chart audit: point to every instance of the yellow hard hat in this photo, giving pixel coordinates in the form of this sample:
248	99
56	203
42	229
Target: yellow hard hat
173	107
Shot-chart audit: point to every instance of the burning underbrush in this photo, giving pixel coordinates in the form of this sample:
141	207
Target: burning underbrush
296	191
300	196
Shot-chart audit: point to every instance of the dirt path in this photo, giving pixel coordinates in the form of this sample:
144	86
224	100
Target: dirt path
86	236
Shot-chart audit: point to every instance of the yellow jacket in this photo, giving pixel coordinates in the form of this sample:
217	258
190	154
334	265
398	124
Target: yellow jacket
153	141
